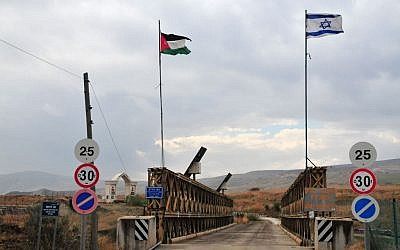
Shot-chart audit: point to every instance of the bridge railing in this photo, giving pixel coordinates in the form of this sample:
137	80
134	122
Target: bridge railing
295	215
187	206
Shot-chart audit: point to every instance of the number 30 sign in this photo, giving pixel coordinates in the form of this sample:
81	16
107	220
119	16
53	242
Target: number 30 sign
86	175
86	150
362	154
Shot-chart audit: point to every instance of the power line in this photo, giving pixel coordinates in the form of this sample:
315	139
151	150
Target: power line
108	128
41	59
78	76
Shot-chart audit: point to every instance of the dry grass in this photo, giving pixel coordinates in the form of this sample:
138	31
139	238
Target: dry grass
16	219
252	201
108	215
257	201
356	245
26	200
106	243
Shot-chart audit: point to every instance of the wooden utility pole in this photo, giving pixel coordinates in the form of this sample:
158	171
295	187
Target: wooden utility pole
89	122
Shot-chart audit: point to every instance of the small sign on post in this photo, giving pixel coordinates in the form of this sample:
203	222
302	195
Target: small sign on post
50	208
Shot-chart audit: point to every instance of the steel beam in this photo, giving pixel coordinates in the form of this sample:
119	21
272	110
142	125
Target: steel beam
187	205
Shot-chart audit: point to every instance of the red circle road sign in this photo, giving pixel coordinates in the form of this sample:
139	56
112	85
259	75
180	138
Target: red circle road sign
84	201
86	175
362	181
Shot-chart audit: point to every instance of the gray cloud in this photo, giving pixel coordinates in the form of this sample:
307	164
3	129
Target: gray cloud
245	73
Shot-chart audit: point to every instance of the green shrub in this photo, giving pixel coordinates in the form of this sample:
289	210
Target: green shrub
252	217
135	200
277	206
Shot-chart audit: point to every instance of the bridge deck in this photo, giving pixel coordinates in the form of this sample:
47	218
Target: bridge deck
254	235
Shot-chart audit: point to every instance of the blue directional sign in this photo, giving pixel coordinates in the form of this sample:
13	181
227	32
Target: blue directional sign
154	192
365	208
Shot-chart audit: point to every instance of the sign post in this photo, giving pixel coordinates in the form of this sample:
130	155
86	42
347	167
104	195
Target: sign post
87	174
86	151
363	181
48	209
89	122
54	234
40	228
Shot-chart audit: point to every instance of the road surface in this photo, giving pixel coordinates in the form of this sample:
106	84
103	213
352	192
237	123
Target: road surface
255	235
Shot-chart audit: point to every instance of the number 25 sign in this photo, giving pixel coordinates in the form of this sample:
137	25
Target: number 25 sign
86	150
362	154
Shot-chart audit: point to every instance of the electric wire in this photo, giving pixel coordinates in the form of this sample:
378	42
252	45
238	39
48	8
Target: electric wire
108	127
78	76
41	59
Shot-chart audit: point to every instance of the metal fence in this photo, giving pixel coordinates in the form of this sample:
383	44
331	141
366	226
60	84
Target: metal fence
383	233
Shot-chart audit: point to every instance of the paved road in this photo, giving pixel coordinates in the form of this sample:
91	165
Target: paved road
254	235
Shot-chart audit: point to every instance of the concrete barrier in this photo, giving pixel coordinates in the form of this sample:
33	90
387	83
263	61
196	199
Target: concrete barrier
342	234
127	227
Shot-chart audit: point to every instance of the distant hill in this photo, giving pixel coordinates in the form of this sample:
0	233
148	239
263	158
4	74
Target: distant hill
387	172
35	182
28	181
43	191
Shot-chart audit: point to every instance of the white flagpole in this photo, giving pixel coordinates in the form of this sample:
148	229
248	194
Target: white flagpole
305	88
161	104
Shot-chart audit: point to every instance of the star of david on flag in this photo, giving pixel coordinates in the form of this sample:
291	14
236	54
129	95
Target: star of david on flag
319	25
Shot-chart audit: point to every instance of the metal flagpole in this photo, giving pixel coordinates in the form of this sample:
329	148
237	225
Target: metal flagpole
305	86
161	106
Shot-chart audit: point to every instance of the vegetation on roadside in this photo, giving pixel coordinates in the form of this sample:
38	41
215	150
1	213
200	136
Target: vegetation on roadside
135	200
252	217
66	232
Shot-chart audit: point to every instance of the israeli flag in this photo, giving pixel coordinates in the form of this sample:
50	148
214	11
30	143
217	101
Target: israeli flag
319	25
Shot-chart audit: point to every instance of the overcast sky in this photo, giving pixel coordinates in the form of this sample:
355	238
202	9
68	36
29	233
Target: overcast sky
240	93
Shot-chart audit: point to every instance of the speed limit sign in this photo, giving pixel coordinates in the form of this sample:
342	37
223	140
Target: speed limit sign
86	175
362	154
86	150
363	181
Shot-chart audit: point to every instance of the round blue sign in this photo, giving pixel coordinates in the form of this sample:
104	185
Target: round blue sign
84	201
85	205
365	208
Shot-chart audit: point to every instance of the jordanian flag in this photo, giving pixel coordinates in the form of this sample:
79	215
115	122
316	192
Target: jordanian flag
173	44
